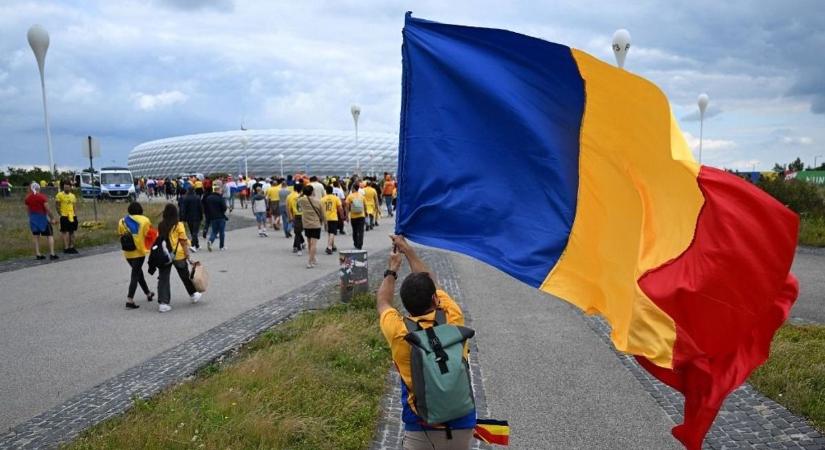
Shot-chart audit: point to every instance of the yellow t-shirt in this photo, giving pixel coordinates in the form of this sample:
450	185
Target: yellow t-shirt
139	237
292	203
272	193
331	203
199	184
176	235
350	199
371	199
394	330
66	204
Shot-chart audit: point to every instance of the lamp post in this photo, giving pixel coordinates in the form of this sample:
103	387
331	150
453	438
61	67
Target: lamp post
702	101
244	141
281	157
621	45
356	112
39	42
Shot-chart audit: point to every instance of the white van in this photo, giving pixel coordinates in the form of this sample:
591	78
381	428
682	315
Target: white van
117	183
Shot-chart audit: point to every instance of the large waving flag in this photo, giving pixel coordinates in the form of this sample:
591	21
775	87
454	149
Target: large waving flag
572	176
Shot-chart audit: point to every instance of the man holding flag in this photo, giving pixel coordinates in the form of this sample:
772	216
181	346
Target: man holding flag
690	266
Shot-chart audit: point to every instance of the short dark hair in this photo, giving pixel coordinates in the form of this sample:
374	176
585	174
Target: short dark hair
328	188
134	208
417	292
313	178
308	190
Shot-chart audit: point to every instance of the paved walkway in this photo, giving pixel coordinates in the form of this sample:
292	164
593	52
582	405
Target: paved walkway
809	268
64	328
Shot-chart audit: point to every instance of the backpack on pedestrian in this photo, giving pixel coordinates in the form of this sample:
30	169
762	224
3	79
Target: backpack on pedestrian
440	372
357	205
161	255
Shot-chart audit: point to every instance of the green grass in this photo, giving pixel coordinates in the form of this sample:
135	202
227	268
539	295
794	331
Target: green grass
16	239
794	375
812	231
312	383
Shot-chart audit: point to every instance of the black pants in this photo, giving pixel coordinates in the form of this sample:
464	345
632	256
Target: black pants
164	291
205	228
358	232
297	228
137	276
194	228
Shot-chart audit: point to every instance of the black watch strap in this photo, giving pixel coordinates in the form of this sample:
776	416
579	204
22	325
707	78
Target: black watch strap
391	272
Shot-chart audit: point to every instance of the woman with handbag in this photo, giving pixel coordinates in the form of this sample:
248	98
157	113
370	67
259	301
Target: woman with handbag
312	219
132	230
172	229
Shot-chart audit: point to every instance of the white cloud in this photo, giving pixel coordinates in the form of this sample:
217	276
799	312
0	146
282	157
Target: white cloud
802	140
748	164
149	102
708	144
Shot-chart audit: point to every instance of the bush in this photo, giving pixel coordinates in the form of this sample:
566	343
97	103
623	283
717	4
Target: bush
806	199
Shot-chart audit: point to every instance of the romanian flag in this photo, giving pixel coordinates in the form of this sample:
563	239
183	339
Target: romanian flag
572	176
492	431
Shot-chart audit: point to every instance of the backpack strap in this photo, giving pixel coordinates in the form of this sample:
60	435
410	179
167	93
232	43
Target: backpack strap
440	355
414	325
440	316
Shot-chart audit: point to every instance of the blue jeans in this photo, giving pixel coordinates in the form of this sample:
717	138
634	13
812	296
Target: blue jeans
285	220
218	229
388	202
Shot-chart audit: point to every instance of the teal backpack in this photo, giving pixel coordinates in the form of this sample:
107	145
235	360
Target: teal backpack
440	373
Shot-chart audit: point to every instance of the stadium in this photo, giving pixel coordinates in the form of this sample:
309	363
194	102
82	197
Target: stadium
258	153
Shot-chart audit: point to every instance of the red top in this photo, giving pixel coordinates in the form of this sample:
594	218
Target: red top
37	203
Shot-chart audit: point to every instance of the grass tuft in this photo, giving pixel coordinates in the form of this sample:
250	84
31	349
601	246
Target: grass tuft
311	383
794	375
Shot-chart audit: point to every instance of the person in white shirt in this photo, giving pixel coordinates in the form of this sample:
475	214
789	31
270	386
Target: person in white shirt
317	188
229	193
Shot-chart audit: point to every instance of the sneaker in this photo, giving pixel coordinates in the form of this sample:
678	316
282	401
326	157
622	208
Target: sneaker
303	245
209	245
288	235
223	249
334	248
193	249
263	234
40	257
73	251
310	266
132	305
163	307
328	251
196	297
300	253
294	250
53	257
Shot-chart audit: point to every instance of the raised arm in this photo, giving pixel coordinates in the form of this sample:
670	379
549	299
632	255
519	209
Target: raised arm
416	264
383	299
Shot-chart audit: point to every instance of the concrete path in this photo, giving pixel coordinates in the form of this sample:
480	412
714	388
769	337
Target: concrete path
64	328
809	268
547	373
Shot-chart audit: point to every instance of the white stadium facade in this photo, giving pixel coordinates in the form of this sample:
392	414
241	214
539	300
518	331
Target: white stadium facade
316	152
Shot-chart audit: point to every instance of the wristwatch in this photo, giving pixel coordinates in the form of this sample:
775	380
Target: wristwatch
391	272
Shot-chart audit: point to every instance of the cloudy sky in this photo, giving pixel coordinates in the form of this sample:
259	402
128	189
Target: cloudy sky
132	71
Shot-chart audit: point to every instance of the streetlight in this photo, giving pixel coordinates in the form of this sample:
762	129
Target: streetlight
244	141
356	112
702	101
621	45
281	157
39	42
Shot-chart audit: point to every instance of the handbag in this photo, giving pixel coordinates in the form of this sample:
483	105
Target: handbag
199	276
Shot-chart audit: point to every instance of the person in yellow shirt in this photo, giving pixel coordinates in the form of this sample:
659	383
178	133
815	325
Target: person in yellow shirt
333	210
65	202
136	225
371	200
172	228
294	213
356	209
274	200
424	301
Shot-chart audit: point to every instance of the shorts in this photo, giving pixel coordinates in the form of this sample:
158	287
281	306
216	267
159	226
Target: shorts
274	208
260	217
39	225
66	226
333	226
312	233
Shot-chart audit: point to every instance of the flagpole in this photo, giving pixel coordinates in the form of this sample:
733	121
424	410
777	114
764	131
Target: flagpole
702	101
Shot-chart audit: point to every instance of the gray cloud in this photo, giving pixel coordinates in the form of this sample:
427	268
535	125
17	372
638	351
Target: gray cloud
712	111
195	5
